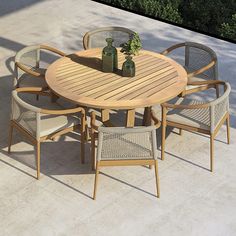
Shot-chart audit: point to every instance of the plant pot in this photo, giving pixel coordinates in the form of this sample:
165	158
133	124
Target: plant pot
128	67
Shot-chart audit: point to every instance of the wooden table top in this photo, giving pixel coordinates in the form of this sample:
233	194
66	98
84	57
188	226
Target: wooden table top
78	78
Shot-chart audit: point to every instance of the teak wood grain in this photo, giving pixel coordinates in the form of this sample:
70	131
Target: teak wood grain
78	78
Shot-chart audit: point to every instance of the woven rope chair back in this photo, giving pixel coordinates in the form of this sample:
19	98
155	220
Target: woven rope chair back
97	38
118	143
198	56
29	57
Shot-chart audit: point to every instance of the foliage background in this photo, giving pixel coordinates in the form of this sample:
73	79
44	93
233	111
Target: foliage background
216	17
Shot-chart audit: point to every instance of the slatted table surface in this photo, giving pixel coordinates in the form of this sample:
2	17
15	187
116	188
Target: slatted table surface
78	78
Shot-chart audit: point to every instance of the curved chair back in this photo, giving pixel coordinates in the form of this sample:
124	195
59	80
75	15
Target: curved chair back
219	107
27	61
199	60
118	143
197	56
29	57
97	38
26	115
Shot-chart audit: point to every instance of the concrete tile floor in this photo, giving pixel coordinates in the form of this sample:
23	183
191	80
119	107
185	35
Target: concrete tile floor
193	200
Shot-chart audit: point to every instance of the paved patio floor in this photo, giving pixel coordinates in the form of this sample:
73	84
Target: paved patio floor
193	200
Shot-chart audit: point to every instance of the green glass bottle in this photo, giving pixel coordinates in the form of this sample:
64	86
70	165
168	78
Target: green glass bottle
128	67
109	57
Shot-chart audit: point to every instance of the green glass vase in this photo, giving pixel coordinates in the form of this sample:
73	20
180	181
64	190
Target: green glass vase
109	57
128	67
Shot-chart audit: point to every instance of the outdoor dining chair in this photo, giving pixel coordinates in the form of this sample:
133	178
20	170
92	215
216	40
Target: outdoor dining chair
40	124
97	38
119	146
200	62
28	71
196	115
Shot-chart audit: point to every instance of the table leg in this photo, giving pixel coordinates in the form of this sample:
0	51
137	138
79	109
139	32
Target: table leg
105	115
130	118
147	120
54	97
147	116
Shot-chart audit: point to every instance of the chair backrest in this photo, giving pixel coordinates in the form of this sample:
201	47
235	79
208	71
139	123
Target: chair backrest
118	143
219	107
197	56
26	115
97	38
28	56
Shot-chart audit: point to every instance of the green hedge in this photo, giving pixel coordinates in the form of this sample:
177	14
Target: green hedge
217	17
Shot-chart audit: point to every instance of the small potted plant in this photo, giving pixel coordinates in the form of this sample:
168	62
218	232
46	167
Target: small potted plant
130	48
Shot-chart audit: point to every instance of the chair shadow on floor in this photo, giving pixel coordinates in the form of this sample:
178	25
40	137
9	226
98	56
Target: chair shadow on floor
25	158
128	184
172	130
187	161
51	164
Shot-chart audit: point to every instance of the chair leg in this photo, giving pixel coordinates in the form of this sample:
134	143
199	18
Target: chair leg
163	140
163	131
87	136
93	151
228	129
96	181
10	137
212	152
157	179
147	116
82	137
38	158
180	132
82	147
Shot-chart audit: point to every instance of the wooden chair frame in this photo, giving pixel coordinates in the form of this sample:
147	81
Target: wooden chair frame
102	163
226	118
37	141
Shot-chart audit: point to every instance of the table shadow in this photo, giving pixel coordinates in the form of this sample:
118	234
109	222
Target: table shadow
91	62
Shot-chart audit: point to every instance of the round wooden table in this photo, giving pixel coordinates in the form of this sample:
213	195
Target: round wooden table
78	78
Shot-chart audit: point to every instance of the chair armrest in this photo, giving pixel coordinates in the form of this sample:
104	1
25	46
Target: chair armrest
64	111
168	50
34	90
208	82
27	70
179	106
30	89
85	41
205	68
205	85
55	50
